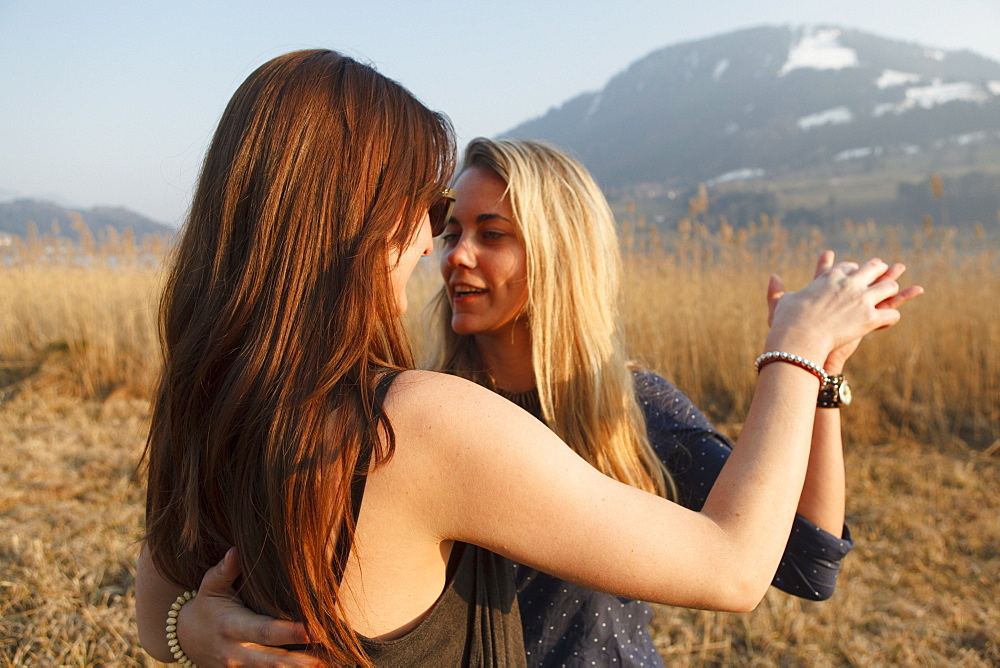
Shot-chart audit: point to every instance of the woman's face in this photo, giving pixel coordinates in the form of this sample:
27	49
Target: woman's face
420	245
483	261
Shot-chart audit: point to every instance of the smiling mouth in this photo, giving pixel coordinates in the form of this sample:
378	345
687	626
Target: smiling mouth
459	292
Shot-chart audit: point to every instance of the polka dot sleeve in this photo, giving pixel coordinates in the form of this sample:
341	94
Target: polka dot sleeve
694	452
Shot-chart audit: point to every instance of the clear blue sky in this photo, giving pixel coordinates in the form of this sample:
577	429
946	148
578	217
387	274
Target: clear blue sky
113	102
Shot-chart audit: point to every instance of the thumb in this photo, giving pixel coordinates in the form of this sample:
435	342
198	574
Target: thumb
775	290
218	580
825	263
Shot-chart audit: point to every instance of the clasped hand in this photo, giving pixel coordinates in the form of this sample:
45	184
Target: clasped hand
845	301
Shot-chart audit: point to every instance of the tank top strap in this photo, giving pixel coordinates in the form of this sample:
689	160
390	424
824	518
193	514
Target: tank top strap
343	545
365	456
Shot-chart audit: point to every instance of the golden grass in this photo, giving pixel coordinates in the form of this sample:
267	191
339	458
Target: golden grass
70	517
78	355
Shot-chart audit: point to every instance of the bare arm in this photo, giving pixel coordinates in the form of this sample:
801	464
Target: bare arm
532	500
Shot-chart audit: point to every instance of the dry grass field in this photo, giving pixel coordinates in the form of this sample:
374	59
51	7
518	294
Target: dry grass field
78	354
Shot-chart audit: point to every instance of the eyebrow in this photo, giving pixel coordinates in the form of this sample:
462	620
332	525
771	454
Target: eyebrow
484	217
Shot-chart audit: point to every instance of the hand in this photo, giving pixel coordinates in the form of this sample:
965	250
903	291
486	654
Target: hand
216	629
834	363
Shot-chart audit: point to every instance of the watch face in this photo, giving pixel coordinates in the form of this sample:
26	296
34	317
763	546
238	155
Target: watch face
845	393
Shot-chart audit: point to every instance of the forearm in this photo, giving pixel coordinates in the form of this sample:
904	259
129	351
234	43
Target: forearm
153	598
823	495
746	501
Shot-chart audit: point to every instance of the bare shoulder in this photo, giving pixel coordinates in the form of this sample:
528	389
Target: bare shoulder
454	425
453	436
437	399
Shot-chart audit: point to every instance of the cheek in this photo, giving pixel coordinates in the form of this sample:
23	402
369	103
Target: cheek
517	274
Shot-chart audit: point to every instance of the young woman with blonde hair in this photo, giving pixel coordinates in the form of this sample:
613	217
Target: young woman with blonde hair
366	500
562	358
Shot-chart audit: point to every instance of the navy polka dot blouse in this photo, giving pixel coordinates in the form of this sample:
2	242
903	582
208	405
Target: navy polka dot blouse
567	625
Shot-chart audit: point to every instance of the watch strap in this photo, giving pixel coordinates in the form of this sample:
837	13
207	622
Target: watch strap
830	392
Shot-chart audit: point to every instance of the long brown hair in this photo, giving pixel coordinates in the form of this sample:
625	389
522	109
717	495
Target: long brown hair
585	387
276	321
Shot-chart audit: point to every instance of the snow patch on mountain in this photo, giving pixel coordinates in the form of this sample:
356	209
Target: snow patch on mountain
736	175
938	93
835	116
971	138
858	153
819	51
892	78
594	106
720	68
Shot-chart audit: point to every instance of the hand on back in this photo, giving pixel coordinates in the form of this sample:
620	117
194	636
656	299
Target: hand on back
218	630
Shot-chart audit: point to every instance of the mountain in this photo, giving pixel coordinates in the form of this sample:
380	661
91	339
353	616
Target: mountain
49	218
771	103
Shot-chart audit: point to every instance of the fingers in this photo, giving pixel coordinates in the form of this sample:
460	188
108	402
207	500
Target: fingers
247	654
901	297
889	277
243	629
279	632
869	271
824	263
882	290
894	271
276	658
242	625
878	276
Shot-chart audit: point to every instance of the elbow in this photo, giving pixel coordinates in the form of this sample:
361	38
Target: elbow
153	636
743	604
155	646
744	595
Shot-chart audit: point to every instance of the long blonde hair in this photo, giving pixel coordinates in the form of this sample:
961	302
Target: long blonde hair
279	313
585	385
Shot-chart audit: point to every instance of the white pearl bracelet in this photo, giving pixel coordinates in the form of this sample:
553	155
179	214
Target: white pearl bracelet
172	642
801	362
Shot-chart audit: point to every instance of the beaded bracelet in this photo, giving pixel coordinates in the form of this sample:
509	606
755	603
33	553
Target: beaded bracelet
172	641
802	363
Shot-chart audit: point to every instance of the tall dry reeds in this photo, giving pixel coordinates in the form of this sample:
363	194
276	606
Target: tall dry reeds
693	308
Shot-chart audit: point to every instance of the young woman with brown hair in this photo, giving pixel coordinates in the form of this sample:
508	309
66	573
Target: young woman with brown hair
281	341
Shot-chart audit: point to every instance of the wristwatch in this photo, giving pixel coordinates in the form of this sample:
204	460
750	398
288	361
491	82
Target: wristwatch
834	393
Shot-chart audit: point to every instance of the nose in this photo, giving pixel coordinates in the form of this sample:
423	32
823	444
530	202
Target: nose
462	254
